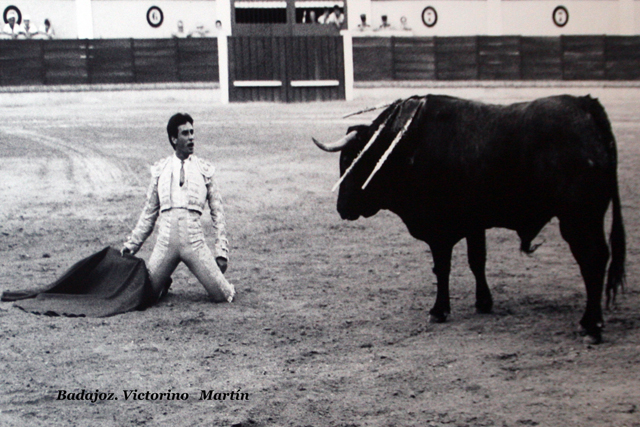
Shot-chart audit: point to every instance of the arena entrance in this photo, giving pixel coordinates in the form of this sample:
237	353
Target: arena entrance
279	52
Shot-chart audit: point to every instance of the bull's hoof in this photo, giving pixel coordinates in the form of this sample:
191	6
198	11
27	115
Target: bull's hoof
591	337
484	307
438	317
591	332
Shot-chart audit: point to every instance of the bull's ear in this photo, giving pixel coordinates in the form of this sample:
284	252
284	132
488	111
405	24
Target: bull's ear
357	128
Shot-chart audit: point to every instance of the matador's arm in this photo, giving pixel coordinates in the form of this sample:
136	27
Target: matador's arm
147	219
221	246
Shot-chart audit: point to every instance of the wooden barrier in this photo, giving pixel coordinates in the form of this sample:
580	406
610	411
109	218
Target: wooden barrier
286	68
622	58
456	58
497	58
414	58
21	63
540	58
583	57
51	62
372	58
55	62
111	61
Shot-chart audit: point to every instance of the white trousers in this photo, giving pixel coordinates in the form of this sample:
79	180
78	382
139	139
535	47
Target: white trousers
180	238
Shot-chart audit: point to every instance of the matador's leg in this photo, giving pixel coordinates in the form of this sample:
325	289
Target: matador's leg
166	254
200	260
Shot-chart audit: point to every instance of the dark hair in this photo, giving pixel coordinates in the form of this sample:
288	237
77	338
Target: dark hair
176	121
47	22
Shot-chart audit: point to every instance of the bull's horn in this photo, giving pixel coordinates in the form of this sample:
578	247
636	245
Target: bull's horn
338	145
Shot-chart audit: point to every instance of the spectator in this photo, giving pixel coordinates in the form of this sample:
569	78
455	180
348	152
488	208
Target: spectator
48	29
363	26
30	29
200	31
405	26
323	19
179	33
385	24
336	17
219	31
312	17
12	29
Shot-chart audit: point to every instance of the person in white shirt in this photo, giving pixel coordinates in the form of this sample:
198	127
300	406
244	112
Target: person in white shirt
181	185
363	26
30	29
12	29
336	17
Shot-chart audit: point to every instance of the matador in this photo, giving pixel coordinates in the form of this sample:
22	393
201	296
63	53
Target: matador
181	185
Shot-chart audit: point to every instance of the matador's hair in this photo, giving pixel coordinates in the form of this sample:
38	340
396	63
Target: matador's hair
176	121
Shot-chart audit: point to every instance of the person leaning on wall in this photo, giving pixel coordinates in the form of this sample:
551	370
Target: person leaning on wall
12	30
30	29
336	17
179	33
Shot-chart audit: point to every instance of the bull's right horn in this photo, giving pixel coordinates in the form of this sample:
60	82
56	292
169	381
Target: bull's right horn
338	145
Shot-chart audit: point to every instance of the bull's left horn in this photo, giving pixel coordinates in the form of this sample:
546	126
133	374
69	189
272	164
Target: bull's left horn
338	145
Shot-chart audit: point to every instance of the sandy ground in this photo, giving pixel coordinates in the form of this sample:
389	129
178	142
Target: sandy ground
330	327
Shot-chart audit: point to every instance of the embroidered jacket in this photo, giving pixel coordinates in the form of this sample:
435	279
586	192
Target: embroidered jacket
201	189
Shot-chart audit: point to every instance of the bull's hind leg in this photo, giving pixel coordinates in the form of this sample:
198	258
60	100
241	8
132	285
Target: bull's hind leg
589	247
442	268
477	256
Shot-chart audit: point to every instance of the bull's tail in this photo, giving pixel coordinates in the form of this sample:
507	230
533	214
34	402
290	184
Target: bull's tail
617	241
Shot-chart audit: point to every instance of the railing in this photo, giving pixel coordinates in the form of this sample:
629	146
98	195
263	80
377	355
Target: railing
54	62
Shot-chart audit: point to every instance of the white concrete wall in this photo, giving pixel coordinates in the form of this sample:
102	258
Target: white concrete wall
505	17
61	13
454	17
534	17
128	18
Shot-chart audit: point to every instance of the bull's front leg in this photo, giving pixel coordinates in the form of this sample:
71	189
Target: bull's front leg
477	256
442	267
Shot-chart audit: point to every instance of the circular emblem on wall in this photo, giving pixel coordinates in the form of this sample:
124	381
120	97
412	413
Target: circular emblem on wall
155	16
429	16
560	16
10	11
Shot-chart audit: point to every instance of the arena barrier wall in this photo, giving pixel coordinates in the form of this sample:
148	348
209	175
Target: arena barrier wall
52	62
55	62
497	58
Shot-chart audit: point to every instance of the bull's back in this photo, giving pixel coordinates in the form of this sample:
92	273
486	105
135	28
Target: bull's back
500	165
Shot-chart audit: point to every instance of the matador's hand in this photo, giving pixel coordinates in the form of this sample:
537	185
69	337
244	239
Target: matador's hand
222	264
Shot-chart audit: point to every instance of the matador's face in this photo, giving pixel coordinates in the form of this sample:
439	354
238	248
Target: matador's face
184	144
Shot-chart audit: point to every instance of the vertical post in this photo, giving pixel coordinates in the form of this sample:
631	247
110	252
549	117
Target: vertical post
84	19
223	68
347	43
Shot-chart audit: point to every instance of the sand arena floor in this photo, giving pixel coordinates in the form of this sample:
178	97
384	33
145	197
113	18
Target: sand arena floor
330	327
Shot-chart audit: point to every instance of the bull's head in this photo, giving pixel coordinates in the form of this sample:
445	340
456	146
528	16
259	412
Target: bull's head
352	200
363	151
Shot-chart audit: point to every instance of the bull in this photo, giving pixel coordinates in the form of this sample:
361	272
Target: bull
452	168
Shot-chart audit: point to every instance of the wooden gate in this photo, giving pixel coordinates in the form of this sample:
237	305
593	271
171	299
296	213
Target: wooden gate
286	68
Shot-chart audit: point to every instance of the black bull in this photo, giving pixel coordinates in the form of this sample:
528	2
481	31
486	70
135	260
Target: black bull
462	167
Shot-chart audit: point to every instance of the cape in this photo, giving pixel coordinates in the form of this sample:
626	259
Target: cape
101	285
